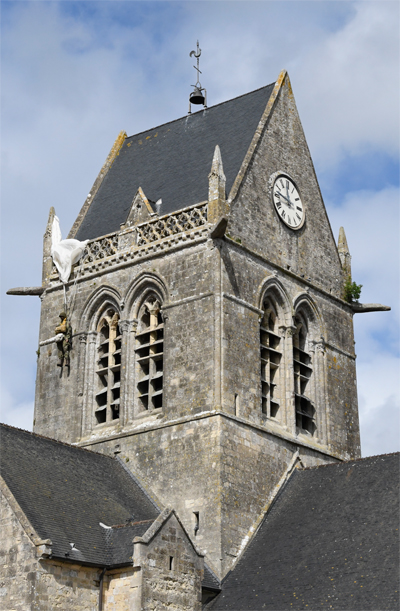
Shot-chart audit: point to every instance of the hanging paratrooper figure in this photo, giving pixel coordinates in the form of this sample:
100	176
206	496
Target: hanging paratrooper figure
64	344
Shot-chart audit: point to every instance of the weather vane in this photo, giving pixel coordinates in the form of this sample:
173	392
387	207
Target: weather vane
197	97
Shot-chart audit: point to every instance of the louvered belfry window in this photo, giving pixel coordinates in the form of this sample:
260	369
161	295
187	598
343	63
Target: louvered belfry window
108	369
302	365
271	355
150	356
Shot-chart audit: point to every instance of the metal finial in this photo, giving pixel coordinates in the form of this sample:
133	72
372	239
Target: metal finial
197	56
197	97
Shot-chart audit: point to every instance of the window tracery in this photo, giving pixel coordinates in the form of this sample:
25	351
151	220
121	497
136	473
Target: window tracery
108	370
303	370
271	356
149	352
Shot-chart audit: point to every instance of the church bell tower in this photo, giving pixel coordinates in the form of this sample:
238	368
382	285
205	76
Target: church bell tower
211	344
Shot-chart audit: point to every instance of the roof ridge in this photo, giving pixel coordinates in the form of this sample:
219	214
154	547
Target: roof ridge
128	524
64	443
350	460
154	501
197	113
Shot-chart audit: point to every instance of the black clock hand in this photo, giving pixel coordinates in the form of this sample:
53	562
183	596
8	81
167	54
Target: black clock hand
288	200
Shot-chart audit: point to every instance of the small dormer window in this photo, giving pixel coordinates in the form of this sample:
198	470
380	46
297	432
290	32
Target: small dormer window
108	369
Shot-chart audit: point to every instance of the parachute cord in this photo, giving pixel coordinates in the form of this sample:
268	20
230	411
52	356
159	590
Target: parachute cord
65	300
74	288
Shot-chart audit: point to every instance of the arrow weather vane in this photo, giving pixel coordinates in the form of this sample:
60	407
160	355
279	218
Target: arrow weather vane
197	56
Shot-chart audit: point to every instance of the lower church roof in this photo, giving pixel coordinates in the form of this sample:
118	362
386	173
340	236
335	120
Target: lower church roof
329	541
88	504
71	495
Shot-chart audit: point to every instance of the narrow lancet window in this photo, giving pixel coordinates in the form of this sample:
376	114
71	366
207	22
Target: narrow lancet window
305	411
108	369
271	356
149	356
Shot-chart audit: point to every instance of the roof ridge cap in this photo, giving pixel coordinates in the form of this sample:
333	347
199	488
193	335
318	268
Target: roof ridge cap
349	461
198	112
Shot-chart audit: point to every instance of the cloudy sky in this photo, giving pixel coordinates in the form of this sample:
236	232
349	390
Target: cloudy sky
76	73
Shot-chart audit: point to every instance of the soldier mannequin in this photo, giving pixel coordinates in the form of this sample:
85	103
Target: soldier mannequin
64	346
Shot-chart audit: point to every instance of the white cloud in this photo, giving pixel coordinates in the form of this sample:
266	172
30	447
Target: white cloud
16	414
353	74
379	403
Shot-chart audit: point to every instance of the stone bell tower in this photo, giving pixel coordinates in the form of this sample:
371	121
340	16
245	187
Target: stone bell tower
212	348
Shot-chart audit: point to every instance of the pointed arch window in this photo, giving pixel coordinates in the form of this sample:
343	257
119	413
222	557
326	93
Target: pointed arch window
108	370
303	370
271	356
150	356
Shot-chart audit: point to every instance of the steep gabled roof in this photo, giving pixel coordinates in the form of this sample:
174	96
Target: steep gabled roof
173	161
329	541
65	492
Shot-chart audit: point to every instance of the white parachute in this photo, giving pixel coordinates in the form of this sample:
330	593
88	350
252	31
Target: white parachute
65	253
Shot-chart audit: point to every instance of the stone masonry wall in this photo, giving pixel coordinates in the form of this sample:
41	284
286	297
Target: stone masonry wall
311	250
65	586
17	562
30	583
171	570
122	590
246	277
188	281
180	464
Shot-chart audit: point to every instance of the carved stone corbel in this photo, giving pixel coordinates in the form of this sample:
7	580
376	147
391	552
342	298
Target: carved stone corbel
318	345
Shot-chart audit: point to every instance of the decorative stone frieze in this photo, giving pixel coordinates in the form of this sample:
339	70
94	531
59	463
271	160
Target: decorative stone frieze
167	226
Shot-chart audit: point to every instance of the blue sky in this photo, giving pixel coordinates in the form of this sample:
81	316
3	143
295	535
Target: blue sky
76	73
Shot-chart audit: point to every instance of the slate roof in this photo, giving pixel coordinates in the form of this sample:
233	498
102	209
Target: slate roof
329	541
66	491
173	161
210	580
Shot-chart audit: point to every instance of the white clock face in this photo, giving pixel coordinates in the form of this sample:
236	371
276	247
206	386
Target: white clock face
287	202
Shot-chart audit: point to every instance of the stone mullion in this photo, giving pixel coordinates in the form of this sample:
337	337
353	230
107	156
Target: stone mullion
110	363
152	351
268	379
319	394
82	338
90	380
313	388
109	374
290	388
282	375
128	330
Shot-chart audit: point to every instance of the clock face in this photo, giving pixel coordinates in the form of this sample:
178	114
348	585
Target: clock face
287	202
